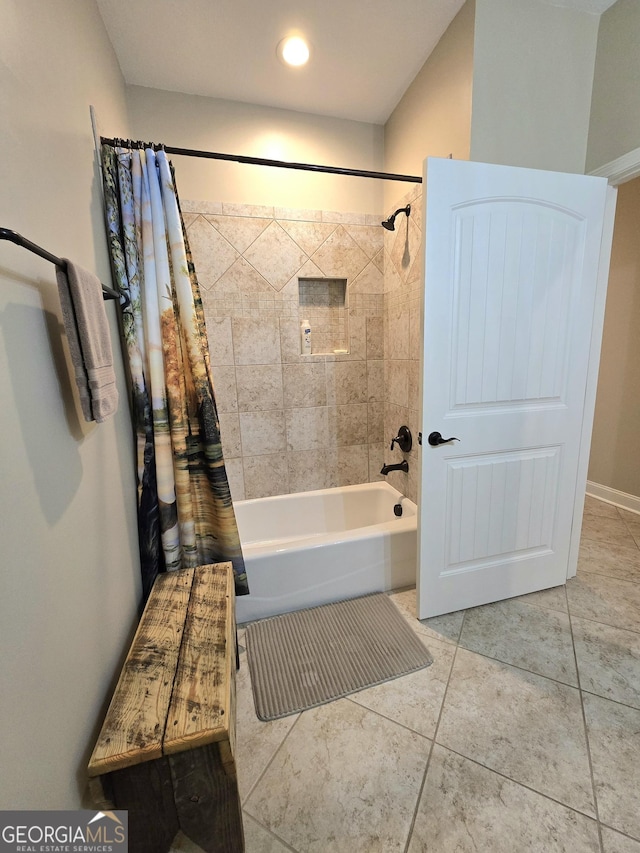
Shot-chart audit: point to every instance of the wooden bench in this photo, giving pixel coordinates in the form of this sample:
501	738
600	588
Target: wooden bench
166	749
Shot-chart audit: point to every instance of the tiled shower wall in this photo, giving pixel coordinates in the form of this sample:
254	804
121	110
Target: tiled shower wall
403	337
289	422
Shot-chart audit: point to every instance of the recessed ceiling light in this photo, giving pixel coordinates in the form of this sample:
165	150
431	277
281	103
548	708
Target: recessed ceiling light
293	50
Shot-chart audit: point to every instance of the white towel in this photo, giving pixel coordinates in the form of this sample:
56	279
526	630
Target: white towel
87	328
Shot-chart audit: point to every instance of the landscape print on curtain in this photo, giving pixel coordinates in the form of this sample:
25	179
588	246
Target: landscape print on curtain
185	513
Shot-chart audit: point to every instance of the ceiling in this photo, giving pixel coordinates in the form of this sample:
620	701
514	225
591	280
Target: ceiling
365	53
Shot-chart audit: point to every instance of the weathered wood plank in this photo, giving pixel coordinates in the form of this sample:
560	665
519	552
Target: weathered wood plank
134	727
201	709
146	792
206	799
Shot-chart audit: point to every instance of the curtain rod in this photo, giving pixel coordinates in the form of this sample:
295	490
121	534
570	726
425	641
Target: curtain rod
19	240
259	161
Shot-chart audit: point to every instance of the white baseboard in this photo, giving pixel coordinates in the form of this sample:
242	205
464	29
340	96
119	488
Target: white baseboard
613	496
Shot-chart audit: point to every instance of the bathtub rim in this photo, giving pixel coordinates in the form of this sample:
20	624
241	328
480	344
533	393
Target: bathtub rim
371	531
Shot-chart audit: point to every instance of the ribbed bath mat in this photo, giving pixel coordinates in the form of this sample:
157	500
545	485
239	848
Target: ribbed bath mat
309	657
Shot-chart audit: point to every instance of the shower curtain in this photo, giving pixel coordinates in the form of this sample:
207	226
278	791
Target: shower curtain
185	513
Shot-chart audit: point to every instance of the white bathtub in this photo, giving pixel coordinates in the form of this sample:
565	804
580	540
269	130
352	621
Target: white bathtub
311	548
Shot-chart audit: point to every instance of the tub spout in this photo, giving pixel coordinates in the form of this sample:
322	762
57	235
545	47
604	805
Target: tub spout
401	466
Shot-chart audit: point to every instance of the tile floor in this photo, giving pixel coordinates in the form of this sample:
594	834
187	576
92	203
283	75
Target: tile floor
524	734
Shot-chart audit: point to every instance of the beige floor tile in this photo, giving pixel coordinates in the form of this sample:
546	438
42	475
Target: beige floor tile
604	529
445	628
615	755
593	506
345	779
182	844
614	842
467	808
530	637
414	700
632	520
257	839
549	599
256	742
608	661
554	598
522	725
605	599
617	561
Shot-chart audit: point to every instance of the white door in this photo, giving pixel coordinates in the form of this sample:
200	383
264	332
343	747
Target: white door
512	314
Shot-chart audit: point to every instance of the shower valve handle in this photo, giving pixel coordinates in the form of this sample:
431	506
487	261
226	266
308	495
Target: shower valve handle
403	439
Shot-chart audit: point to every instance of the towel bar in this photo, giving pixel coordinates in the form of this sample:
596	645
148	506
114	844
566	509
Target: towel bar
19	240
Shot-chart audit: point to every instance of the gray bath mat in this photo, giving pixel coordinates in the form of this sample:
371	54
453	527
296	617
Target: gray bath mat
303	659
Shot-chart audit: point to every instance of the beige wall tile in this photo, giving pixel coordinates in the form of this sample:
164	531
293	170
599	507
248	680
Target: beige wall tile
399	333
275	256
376	423
370	280
235	476
348	424
200	206
290	344
307	429
212	253
349	465
259	387
230	209
375	380
265	476
241	277
346	382
370	238
256	340
392	279
230	435
340	256
413	384
308	235
344	218
293	408
262	432
376	461
240	231
304	385
397	382
415	331
220	340
375	337
293	213
307	470
357	339
224	386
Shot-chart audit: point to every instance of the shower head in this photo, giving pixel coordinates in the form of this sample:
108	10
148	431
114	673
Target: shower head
390	223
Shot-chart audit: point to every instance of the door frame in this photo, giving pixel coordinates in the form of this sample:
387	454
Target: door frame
592	376
620	170
617	172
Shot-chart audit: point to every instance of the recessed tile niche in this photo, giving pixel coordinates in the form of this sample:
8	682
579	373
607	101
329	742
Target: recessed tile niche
323	302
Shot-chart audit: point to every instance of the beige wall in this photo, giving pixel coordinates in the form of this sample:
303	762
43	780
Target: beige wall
209	124
532	77
615	107
615	448
433	117
70	585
